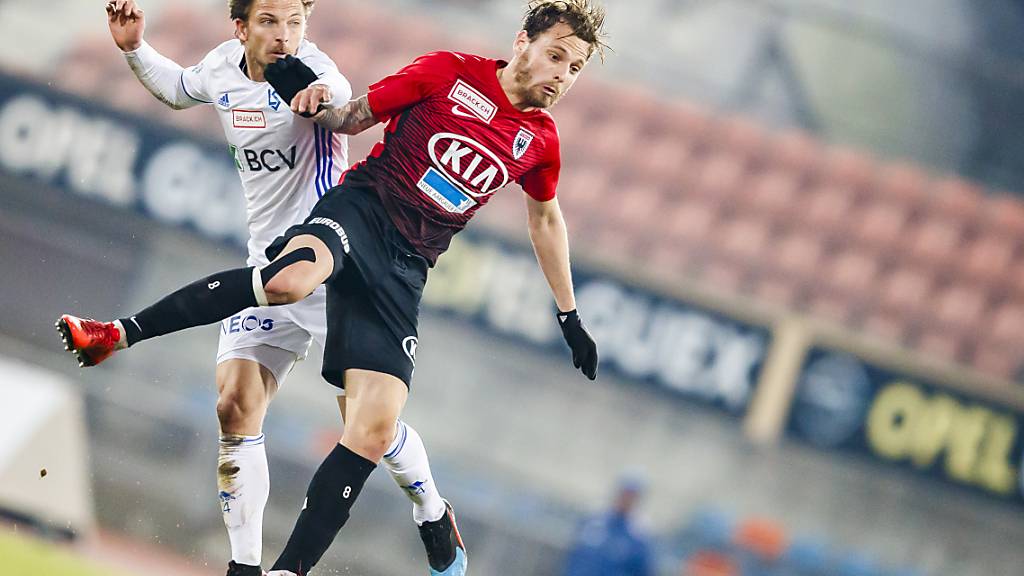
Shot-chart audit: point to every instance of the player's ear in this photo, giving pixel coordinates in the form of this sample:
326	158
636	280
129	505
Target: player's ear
522	42
241	30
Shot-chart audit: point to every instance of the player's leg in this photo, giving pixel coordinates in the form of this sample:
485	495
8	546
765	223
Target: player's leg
374	402
247	379
407	463
257	350
303	264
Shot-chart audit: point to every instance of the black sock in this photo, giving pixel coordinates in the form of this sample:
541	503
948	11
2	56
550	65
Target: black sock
332	491
205	301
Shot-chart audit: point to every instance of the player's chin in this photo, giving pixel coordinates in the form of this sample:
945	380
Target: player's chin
542	99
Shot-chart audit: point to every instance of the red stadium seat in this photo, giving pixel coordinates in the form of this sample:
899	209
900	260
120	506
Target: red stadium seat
955	319
902	184
797	151
87	66
987	258
741	136
958	199
775	192
849	169
743	239
797	255
943	344
935	241
843	285
1004	214
724	275
788	266
692	221
1006	324
668	160
881	226
831	306
886	325
583	190
828	209
853	273
672	257
998	360
688	120
778	289
613	142
905	291
1000	348
719	177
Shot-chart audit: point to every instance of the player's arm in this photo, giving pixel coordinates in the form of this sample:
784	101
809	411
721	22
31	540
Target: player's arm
330	88
551	245
163	77
351	119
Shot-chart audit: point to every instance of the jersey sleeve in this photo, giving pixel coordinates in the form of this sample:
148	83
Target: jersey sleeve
541	181
327	74
164	78
411	84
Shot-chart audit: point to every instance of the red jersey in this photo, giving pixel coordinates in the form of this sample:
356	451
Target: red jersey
452	140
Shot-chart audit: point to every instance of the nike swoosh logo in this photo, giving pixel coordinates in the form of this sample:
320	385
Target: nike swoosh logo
460	111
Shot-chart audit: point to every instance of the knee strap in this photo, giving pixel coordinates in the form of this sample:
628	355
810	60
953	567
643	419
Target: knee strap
261	277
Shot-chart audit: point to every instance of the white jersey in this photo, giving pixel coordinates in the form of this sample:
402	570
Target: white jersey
286	162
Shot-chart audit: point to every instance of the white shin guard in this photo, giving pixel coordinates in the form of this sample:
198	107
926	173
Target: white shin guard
243	481
406	461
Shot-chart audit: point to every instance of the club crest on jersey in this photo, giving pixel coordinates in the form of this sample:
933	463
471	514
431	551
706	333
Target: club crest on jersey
273	100
469	102
521	143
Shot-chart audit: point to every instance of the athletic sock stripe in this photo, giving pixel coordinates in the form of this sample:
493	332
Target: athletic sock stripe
253	441
330	158
401	442
316	146
323	170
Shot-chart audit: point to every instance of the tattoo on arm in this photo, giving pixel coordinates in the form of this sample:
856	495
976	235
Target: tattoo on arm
352	118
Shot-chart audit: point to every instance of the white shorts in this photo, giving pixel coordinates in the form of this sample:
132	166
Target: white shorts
261	334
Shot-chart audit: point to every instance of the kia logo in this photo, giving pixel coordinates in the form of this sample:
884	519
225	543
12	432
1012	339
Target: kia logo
466	161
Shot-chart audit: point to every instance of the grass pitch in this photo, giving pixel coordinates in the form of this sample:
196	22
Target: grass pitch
25	556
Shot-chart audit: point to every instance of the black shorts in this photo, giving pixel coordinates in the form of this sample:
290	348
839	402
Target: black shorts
373	295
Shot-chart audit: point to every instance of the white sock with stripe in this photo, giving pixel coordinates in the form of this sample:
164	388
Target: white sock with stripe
406	461
243	481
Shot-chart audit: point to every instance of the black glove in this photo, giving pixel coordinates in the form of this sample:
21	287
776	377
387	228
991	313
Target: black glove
289	76
584	349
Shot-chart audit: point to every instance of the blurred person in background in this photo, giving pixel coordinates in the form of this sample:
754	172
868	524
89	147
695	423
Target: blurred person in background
459	127
611	543
286	163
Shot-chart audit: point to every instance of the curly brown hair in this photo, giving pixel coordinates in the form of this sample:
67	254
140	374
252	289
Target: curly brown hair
585	17
239	9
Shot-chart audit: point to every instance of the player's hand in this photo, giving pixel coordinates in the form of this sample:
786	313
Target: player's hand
584	349
289	76
311	100
127	23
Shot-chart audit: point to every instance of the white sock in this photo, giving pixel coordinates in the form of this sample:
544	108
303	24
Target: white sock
243	481
406	461
122	341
